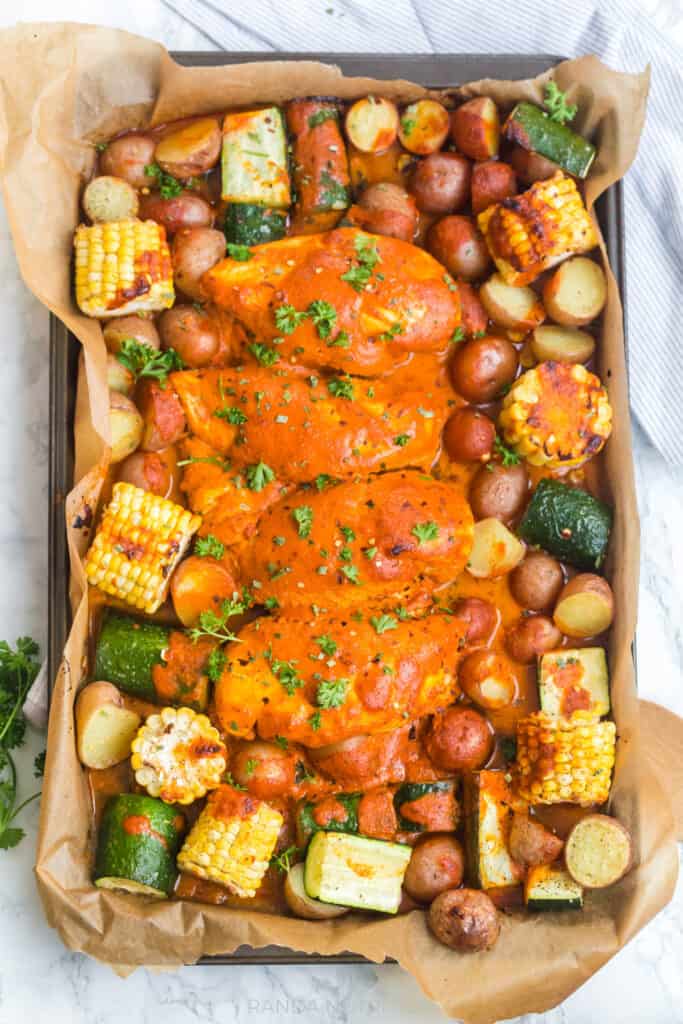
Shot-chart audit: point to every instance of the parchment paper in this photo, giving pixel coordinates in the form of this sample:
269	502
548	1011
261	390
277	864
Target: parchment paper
66	86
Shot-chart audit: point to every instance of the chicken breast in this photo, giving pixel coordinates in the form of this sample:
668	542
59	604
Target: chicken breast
318	680
344	299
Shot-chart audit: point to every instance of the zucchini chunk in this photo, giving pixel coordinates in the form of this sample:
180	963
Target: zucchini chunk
550	887
427	806
574	680
338	813
488	817
531	128
569	523
254	158
137	845
250	224
598	851
351	871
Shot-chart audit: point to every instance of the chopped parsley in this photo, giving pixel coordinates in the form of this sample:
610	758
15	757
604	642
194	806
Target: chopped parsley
282	742
347	533
340	340
144	361
283	861
215	624
457	335
169	187
279	541
351	573
402	612
334	194
232	415
555	102
324	316
322	115
287	319
258	476
368	258
370	552
250	766
425	532
315	721
323	480
303	517
339	388
402	440
391	333
383	623
331	693
209	546
407	125
508	456
326	644
263	353
240	253
287	675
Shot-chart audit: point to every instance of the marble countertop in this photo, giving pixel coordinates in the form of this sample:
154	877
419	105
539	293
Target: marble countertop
40	980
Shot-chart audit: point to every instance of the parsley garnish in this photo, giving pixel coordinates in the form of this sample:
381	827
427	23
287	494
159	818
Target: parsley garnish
382	623
326	644
303	517
457	335
335	194
322	115
250	766
216	664
340	340
315	721
263	353
215	624
231	415
227	777
240	253
368	258
18	669
283	861
402	612
351	573
407	125
209	546
402	440
425	532
339	388
287	319
169	187
370	552
556	104
324	316
331	693
323	480
271	603
144	361
391	333
347	533
287	675
282	742
258	476
507	455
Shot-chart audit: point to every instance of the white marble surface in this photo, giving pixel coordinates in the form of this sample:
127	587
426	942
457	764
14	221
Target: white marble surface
42	982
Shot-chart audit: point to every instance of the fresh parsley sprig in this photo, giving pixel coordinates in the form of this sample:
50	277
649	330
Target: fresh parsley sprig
169	187
214	625
18	669
144	361
555	102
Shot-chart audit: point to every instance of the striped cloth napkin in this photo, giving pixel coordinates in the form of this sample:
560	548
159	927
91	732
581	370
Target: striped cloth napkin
626	34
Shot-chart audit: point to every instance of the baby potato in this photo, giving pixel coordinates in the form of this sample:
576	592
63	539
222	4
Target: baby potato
482	367
193	252
480	617
530	166
576	293
492	181
537	581
561	344
468	436
193	335
437	863
424	127
303	905
264	769
127	157
107	198
459	739
162	414
200	584
495	550
389	210
475	128
585	606
119	377
126	426
517	308
532	844
474	318
441	183
150	471
456	242
465	920
191	150
135	327
372	124
487	678
499	492
186	210
531	636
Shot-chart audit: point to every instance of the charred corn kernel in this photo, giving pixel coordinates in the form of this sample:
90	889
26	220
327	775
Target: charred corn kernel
232	841
178	755
557	414
564	760
537	229
140	540
122	267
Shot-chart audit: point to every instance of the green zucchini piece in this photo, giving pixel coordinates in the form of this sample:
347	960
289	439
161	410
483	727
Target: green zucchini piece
574	679
531	128
254	162
306	824
550	887
249	224
352	871
411	791
569	523
488	816
137	846
127	651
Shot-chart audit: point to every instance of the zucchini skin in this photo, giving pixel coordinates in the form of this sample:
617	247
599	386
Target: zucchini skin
249	224
569	523
138	841
532	129
320	166
410	791
306	825
254	163
127	651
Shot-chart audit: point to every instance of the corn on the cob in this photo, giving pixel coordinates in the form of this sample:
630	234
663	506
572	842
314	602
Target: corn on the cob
122	267
557	414
178	755
139	542
564	759
537	229
232	841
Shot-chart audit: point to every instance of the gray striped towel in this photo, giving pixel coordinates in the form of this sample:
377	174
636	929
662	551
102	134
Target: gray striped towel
626	34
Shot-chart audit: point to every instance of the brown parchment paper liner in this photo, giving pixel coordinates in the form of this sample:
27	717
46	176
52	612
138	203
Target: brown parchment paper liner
65	86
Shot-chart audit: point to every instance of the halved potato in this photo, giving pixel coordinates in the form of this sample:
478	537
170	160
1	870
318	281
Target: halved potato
126	425
107	198
495	551
372	124
303	905
517	308
598	851
105	728
191	150
585	606
424	127
576	293
562	344
119	377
